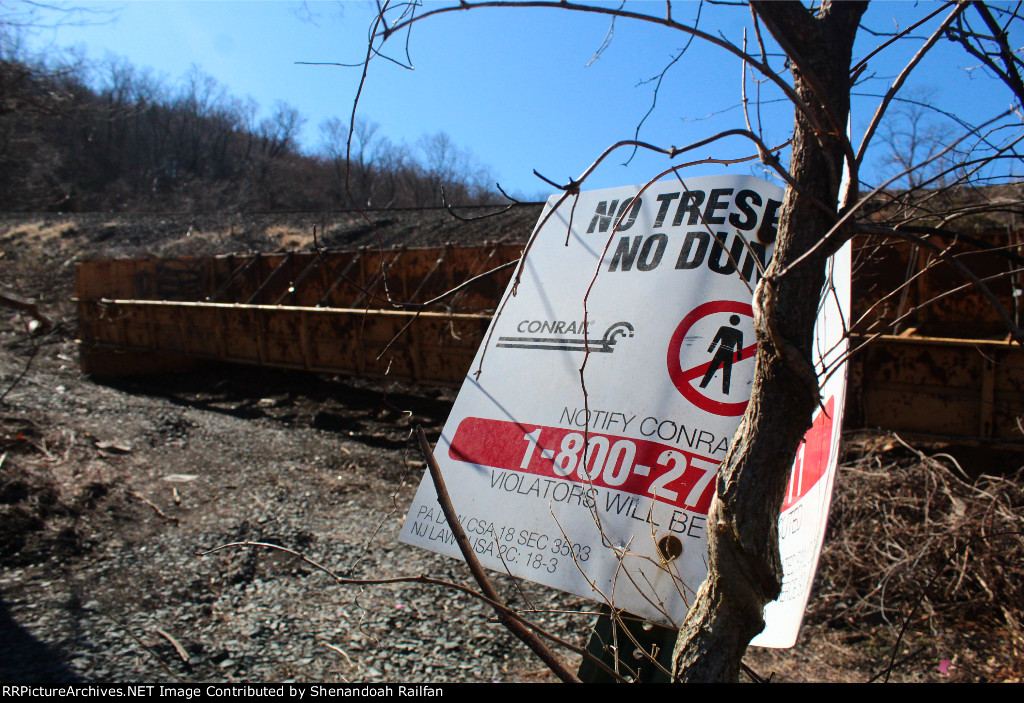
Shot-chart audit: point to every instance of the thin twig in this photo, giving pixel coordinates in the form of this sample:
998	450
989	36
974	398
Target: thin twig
931	582
423	579
155	507
142	644
174	643
539	648
24	371
459	217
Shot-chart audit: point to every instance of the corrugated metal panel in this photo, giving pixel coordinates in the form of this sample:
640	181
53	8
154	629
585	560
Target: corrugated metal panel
326	312
941	386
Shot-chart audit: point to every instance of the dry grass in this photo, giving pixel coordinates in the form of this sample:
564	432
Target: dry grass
40	232
917	540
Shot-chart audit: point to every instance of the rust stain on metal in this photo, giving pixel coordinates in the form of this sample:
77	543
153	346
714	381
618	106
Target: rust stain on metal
339	314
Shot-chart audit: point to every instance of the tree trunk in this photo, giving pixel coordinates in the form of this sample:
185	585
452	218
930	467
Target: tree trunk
745	571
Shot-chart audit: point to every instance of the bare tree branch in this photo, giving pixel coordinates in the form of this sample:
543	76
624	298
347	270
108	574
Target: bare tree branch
513	624
901	79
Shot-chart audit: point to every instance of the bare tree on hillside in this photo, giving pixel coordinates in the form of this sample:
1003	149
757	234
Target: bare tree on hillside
452	168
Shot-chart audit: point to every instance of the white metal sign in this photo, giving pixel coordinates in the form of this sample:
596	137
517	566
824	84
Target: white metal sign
582	449
805	508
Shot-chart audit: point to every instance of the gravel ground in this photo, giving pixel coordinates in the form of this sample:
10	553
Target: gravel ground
109	491
142	477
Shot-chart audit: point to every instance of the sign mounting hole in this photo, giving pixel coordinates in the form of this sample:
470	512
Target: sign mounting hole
669	547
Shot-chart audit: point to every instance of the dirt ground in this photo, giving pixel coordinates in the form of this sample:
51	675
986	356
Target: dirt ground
109	490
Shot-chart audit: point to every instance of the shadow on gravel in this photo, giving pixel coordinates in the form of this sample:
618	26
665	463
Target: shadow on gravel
372	412
24	659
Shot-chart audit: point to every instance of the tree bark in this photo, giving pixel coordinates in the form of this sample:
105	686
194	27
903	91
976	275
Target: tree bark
745	571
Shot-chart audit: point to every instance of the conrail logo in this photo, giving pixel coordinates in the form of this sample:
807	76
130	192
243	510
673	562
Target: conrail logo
565	336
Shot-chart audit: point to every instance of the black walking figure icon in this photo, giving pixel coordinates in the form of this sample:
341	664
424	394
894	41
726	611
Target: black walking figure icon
729	341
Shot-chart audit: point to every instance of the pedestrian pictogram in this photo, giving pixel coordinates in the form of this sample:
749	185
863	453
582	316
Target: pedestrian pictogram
726	348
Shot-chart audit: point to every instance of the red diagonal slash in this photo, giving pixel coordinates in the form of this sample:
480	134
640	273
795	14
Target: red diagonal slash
683	379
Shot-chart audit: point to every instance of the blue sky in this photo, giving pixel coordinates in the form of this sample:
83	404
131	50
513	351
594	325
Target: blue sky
517	87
